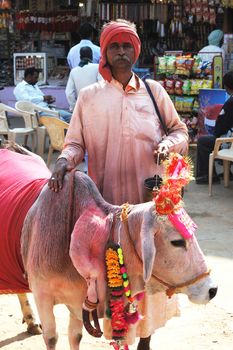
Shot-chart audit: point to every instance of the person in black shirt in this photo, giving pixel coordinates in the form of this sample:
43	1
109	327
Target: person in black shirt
224	124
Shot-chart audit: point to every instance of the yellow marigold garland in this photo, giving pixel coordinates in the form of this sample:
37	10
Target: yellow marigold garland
113	269
118	283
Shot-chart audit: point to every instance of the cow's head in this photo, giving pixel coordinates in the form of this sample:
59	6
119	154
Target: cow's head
168	259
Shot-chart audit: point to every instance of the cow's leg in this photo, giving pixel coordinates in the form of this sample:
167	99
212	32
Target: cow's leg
28	315
45	304
144	343
74	332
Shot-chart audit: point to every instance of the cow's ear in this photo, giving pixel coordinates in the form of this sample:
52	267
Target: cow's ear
90	233
147	243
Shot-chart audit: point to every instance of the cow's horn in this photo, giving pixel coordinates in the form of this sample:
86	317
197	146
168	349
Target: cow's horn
90	307
95	332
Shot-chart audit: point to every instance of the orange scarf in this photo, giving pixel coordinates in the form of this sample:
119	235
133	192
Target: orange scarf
116	32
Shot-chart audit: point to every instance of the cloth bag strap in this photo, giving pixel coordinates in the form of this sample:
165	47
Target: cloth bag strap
156	107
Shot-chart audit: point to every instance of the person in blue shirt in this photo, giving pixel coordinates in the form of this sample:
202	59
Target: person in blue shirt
86	33
224	124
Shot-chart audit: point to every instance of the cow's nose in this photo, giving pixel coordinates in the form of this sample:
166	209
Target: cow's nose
212	292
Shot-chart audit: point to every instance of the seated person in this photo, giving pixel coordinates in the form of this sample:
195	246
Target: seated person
224	124
85	74
28	90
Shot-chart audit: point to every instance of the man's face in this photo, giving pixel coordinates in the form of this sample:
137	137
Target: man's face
189	42
120	55
33	78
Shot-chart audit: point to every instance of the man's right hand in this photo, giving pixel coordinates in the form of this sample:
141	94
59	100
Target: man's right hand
56	180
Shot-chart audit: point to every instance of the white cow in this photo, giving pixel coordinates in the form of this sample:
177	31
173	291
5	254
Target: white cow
64	235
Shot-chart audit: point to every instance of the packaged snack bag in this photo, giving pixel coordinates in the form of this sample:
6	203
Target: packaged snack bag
178	87
186	87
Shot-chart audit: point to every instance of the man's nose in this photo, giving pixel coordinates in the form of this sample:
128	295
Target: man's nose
121	50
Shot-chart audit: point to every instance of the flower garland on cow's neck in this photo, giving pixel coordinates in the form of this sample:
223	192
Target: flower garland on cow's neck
118	283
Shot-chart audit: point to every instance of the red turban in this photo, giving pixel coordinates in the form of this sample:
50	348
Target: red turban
116	32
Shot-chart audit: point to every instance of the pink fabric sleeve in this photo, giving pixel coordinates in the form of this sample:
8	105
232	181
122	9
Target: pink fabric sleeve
74	147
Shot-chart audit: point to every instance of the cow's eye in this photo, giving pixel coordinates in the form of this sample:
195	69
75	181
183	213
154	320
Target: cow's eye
179	243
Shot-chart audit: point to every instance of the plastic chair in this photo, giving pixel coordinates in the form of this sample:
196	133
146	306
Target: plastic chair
11	134
56	130
33	110
226	155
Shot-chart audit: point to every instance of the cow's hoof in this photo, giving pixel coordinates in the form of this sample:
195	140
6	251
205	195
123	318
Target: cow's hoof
34	329
144	344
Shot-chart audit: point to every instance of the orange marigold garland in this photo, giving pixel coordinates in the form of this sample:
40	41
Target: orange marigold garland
177	173
168	199
118	283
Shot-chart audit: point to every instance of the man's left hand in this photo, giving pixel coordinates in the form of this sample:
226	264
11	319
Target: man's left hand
161	153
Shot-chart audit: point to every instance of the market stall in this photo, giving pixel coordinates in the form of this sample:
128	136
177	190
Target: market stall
51	28
183	76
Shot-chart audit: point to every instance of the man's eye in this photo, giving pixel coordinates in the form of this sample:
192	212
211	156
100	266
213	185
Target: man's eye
114	46
179	243
127	46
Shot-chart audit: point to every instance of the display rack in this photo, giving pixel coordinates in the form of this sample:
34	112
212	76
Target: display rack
182	77
39	60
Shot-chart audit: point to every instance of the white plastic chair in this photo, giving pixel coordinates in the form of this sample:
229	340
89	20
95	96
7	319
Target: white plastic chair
33	110
11	134
226	155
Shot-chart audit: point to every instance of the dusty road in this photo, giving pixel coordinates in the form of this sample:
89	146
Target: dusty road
207	327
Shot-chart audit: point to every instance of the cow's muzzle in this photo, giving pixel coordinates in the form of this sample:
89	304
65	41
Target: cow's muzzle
175	289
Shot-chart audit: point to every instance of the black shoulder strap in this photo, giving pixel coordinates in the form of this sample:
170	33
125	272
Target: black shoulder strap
156	107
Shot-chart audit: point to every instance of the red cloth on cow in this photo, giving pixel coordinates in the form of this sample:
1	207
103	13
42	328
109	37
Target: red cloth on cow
21	180
116	32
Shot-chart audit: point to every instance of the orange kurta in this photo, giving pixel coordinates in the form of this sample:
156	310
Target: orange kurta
120	129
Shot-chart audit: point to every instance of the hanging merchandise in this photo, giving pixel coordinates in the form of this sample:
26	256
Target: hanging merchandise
158	27
201	11
5	4
6	21
162	31
65	21
227	3
179	27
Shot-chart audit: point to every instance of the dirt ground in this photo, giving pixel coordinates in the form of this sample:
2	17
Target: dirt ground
199	327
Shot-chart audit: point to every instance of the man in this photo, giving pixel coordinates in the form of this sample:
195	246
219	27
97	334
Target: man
85	74
215	40
224	124
86	34
28	90
116	122
190	41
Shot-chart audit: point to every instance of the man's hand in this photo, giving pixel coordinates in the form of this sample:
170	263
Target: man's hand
56	180
161	153
49	99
